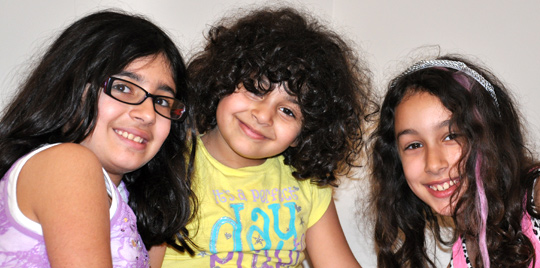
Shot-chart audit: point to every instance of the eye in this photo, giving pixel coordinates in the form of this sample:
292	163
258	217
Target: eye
414	145
121	88
287	112
451	136
163	102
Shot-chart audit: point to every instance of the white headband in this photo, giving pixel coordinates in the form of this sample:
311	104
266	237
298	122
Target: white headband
456	65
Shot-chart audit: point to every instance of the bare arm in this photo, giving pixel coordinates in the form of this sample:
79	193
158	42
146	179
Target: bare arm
156	255
326	243
63	189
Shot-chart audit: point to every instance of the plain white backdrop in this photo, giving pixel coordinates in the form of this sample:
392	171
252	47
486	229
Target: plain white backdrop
504	35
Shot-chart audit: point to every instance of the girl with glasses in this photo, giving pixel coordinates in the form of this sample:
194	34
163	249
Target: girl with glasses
93	163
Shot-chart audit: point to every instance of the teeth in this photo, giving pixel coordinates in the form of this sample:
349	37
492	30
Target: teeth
444	186
129	136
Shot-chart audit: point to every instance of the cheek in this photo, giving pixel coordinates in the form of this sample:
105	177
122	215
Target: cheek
109	108
224	108
163	127
289	131
412	168
453	155
413	171
231	102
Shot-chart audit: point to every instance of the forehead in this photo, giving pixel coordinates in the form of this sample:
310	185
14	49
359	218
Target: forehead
147	61
266	88
151	70
420	110
282	90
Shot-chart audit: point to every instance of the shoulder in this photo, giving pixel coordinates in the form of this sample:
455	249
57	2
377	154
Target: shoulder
286	174
64	161
66	151
65	156
57	158
62	188
57	176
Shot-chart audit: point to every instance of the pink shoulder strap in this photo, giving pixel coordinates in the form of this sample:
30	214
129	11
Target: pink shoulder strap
458	256
526	225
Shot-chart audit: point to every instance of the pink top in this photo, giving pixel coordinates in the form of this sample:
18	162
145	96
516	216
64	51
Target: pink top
21	239
531	228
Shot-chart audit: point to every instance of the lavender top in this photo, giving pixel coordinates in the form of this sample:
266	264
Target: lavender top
21	239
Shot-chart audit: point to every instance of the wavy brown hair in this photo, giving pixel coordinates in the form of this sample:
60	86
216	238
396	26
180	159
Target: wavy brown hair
282	47
489	132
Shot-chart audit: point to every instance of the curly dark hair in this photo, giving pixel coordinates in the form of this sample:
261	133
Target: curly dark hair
70	75
490	132
285	48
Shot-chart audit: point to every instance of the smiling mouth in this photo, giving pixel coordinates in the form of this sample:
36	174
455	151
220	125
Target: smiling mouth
129	136
251	132
444	186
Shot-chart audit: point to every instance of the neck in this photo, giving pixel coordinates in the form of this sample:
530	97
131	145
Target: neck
116	179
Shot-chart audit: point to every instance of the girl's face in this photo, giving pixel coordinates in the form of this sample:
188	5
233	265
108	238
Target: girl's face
128	136
429	152
251	128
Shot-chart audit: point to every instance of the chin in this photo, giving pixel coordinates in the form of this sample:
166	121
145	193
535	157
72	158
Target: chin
444	211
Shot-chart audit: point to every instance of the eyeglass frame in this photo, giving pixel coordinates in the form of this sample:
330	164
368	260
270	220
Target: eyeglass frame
107	87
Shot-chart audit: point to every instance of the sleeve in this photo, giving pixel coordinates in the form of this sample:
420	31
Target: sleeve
320	199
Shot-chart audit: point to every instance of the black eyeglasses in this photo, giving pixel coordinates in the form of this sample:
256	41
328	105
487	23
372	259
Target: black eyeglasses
130	93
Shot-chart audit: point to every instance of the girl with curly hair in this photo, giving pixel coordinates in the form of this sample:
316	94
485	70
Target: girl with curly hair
449	142
94	149
281	105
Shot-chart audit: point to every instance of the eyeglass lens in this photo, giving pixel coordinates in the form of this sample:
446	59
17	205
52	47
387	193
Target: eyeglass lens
131	93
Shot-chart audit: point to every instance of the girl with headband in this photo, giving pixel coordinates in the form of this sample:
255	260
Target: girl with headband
450	142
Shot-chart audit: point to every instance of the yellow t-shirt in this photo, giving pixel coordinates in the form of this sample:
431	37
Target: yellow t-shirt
251	216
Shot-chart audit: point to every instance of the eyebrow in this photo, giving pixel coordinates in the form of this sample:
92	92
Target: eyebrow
136	77
293	100
443	124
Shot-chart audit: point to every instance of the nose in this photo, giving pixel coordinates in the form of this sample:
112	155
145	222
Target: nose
144	112
263	113
436	160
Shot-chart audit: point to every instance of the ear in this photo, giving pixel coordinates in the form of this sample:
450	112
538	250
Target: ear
295	143
239	87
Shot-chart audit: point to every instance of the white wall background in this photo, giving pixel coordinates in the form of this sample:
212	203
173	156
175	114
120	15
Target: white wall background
505	35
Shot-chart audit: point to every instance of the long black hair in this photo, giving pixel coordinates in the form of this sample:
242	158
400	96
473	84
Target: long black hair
491	134
58	103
